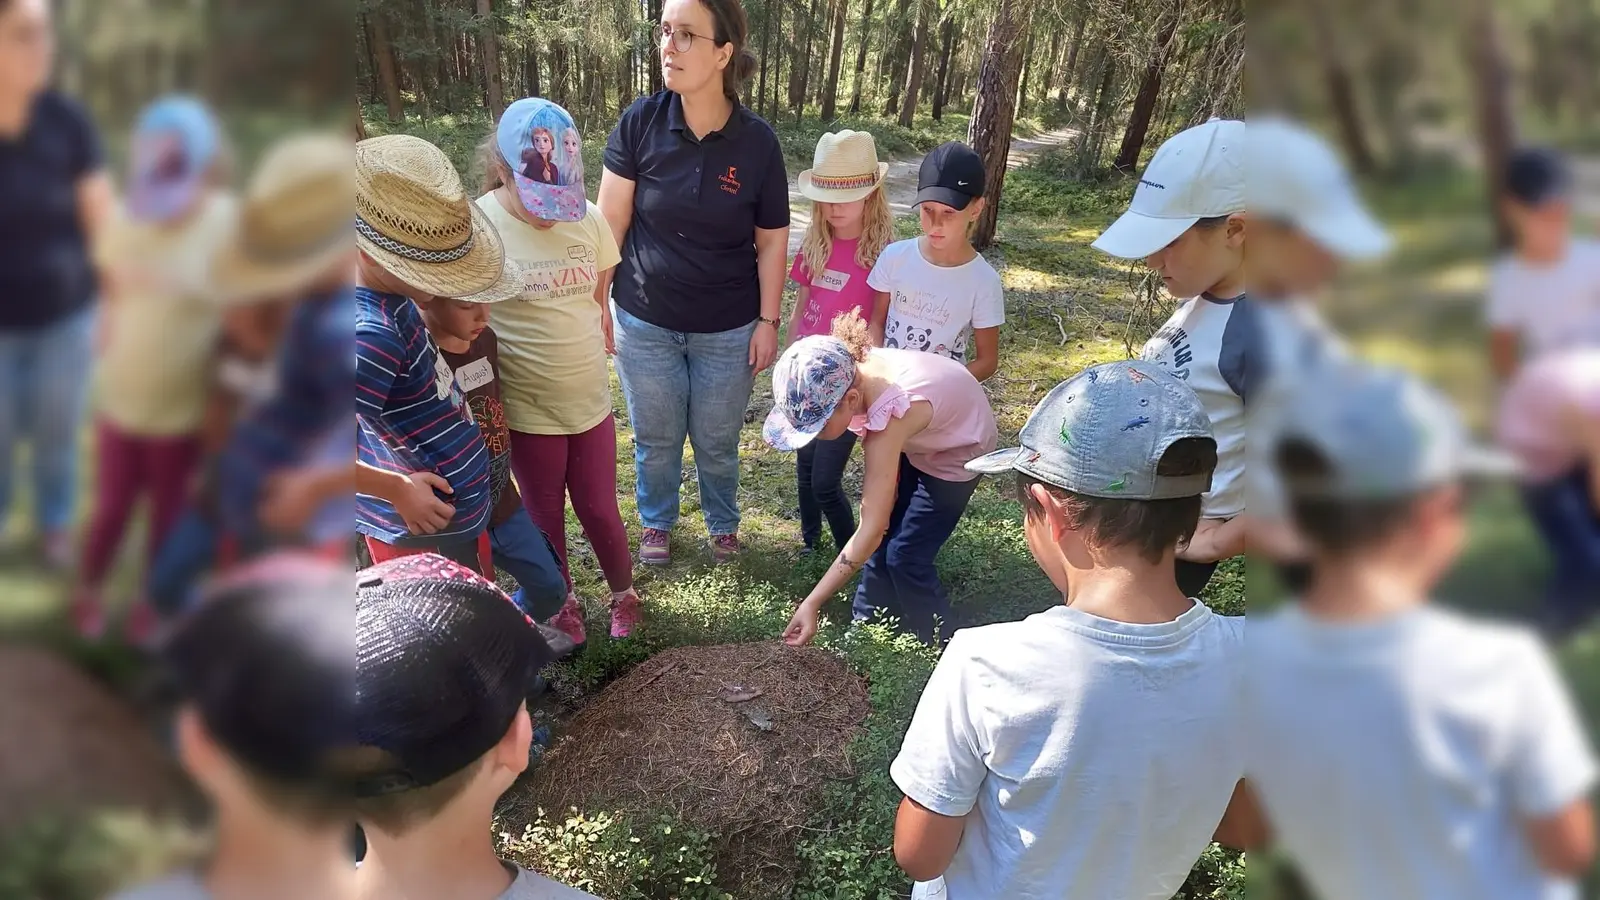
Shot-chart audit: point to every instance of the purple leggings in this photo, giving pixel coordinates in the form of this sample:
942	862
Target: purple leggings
129	467
549	468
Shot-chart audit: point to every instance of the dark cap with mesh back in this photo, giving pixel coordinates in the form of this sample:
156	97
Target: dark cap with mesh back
268	660
444	660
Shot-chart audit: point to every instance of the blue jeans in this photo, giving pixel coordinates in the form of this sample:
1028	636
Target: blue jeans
44	381
523	551
681	385
187	554
1563	510
900	579
819	469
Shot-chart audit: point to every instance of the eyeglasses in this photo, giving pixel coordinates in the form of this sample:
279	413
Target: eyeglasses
682	38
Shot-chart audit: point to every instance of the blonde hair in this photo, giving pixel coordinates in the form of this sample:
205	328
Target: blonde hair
877	230
491	168
851	330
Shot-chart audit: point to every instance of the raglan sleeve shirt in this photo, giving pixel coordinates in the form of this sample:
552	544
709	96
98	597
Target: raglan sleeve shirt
942	765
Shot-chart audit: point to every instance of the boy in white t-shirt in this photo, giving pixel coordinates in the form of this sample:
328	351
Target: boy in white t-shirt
935	293
1545	294
1090	750
1401	751
1186	222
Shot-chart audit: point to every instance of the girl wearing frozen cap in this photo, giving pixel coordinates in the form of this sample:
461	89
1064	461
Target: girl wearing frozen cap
921	417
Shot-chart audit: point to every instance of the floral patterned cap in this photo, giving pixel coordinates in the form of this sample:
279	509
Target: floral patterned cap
808	382
542	148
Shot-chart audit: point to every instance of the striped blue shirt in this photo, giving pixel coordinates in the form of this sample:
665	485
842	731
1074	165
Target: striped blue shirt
412	417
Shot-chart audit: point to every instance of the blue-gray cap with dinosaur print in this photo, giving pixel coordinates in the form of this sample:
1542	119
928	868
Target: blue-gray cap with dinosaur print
1102	433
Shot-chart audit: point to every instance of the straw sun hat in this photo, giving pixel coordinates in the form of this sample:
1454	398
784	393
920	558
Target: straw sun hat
845	169
294	223
415	220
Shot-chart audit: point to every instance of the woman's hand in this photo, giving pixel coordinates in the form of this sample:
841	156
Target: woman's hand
763	346
803	627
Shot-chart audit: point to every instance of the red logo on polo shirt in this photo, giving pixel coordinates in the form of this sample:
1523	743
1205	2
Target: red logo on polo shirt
730	181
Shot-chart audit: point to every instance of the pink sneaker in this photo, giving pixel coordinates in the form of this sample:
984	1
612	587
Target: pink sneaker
139	628
569	621
88	615
625	613
724	547
655	547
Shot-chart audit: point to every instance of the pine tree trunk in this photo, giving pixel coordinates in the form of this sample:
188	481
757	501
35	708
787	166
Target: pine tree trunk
653	56
766	55
374	91
1496	128
1053	59
1144	103
388	77
489	43
830	94
530	71
942	85
1027	72
861	60
1069	77
919	54
1341	90
994	110
805	61
896	62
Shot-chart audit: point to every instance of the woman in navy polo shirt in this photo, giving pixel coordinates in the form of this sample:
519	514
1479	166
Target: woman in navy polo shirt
696	193
53	195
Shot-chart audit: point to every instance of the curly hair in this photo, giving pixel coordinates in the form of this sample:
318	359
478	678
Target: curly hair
850	329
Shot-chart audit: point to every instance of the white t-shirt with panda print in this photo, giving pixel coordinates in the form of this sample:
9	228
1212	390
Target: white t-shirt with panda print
936	308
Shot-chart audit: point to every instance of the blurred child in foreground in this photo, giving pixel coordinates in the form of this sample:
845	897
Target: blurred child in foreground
1401	750
285	466
265	669
157	330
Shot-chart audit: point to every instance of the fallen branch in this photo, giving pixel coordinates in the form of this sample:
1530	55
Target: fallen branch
1061	326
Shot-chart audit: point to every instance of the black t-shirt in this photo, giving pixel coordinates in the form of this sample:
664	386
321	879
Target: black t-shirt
45	269
689	260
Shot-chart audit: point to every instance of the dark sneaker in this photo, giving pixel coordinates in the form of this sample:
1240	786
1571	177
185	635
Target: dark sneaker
655	547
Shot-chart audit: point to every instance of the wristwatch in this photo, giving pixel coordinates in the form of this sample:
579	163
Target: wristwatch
772	322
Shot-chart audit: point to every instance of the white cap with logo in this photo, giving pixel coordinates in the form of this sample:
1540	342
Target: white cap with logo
1197	174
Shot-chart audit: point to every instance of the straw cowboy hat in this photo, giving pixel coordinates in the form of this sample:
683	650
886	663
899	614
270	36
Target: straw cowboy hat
845	169
415	220
294	224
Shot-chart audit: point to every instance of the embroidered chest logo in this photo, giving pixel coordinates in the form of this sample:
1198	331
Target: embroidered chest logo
730	181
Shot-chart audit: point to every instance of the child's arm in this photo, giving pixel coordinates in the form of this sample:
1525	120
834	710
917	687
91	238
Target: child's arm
1215	540
1504	350
1244	826
800	300
602	296
1564	843
924	841
880	317
882	454
412	495
987	341
1552	768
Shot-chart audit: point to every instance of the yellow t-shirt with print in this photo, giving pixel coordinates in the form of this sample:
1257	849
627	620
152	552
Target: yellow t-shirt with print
553	377
152	379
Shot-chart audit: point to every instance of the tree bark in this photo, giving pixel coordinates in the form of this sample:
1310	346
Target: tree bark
530	70
994	110
653	51
861	59
387	76
1069	77
1341	90
766	54
942	82
1144	103
489	43
1496	129
919	55
898	57
799	98
830	94
1027	72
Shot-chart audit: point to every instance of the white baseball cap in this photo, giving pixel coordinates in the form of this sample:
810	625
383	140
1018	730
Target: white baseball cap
1296	177
1197	174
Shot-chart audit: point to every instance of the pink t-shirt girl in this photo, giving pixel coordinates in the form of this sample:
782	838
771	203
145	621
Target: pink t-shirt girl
962	428
1539	411
840	287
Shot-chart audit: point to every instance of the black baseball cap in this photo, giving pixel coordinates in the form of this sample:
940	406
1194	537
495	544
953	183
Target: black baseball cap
444	661
952	174
1537	175
268	659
